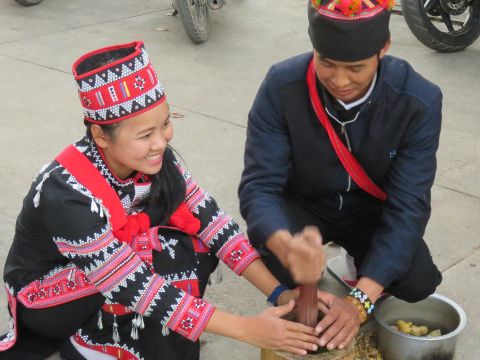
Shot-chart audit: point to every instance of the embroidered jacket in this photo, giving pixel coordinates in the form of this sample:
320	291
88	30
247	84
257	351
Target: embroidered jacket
64	249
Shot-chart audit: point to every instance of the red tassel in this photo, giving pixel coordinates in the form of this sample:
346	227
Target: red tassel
350	7
387	4
183	219
344	6
122	236
143	221
316	3
136	224
132	226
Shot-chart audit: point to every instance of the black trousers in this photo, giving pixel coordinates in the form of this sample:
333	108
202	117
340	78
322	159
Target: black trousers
354	233
41	332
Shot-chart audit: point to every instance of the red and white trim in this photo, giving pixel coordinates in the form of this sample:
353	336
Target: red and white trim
238	253
191	317
120	352
9	340
61	286
120	89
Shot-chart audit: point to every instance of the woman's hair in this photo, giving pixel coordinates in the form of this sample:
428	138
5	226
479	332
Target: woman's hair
168	186
98	60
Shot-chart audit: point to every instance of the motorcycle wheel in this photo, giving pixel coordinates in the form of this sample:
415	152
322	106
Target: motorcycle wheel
194	17
28	2
443	25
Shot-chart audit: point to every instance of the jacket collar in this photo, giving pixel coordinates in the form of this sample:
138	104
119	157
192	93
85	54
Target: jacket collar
87	146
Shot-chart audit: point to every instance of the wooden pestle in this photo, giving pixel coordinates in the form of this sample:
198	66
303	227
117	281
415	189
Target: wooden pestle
307	305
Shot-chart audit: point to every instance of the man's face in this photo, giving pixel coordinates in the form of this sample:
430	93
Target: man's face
347	81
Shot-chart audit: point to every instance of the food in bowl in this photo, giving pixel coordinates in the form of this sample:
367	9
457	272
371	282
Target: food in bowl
435	312
409	328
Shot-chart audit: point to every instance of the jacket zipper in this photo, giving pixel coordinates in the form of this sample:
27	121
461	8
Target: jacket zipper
344	132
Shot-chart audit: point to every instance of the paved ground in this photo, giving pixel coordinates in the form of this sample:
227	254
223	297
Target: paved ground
213	86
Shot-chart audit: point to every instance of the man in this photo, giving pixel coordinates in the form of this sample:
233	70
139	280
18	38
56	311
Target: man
345	139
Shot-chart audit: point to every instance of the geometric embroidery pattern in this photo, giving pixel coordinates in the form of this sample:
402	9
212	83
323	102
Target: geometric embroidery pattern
118	89
112	74
137	104
123	273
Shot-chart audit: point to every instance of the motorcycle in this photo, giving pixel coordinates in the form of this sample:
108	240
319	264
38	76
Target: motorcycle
28	2
194	15
443	25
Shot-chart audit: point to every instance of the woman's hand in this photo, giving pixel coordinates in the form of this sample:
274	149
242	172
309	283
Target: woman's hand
341	321
287	296
267	330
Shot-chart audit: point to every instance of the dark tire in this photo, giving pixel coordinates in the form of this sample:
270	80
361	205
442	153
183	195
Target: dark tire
28	2
420	22
195	19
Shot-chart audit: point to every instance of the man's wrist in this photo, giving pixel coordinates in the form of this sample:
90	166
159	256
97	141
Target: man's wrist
362	302
362	314
278	243
370	287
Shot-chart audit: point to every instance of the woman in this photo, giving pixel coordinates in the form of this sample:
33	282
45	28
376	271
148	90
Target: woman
115	241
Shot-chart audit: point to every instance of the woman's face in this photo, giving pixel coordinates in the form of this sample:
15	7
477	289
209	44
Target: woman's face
138	143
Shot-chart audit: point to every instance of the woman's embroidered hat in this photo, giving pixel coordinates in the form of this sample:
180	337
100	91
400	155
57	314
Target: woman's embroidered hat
117	82
349	30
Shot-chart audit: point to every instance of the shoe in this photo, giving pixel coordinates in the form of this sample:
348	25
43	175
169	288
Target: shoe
350	282
337	267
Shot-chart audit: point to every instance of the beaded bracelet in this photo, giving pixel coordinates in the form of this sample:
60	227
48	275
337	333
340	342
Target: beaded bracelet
360	298
361	310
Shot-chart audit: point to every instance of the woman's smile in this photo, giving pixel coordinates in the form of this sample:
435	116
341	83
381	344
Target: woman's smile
155	159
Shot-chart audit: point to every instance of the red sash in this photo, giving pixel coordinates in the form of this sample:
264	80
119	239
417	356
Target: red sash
348	161
124	227
70	283
87	174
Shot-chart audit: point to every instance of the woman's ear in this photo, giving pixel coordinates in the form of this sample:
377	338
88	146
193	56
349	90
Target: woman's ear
385	49
101	139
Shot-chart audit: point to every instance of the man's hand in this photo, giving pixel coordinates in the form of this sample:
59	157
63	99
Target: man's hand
305	258
340	324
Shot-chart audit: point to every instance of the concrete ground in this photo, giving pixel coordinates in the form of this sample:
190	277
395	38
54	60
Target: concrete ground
213	86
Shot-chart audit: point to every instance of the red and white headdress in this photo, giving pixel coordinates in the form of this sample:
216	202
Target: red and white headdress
117	82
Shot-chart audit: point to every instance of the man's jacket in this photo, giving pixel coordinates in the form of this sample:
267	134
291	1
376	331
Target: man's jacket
395	138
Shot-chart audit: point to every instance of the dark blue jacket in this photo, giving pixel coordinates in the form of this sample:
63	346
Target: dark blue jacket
395	139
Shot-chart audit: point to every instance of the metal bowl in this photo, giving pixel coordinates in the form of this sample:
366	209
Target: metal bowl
436	312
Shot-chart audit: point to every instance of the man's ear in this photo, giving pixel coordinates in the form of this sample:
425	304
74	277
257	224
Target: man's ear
99	136
385	49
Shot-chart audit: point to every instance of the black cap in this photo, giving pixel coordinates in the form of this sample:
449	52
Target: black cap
348	35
